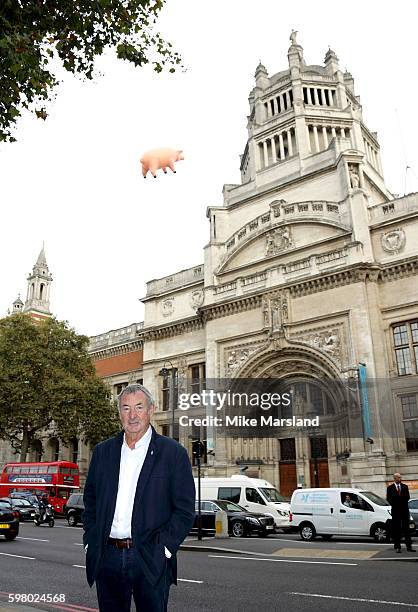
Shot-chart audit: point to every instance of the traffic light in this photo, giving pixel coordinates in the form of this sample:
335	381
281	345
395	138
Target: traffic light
199	451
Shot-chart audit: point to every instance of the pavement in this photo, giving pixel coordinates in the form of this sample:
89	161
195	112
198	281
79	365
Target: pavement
291	546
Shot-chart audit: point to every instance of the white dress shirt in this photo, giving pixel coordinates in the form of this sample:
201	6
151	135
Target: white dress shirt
131	462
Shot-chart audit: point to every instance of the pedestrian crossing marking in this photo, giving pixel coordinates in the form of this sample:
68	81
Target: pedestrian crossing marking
324	553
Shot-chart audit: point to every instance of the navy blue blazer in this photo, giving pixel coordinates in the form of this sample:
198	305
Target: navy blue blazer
164	506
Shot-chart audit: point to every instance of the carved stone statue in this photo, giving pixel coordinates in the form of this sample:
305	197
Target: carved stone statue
293	37
354	178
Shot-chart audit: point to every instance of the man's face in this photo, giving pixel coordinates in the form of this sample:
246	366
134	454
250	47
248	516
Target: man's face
397	477
135	414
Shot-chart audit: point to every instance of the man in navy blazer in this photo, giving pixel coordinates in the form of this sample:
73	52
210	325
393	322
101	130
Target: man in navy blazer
139	503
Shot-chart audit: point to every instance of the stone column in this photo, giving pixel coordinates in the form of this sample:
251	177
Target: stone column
289	104
315	91
289	142
325	136
316	139
281	146
308	95
273	149
266	154
342	132
276	108
333	132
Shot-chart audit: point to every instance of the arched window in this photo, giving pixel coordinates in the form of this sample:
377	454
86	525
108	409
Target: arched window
73	450
53	449
41	291
36	450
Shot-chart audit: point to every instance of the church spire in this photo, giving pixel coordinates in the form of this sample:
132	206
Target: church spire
39	284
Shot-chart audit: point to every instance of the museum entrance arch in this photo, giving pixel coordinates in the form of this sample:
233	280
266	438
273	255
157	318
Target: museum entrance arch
302	457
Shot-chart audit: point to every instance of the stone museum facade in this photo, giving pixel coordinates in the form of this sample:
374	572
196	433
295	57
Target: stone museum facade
310	270
310	274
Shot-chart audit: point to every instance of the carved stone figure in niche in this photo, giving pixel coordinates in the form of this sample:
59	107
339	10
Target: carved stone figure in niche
394	241
266	313
327	341
354	177
275	311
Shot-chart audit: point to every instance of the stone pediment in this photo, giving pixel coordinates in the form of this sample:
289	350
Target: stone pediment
286	227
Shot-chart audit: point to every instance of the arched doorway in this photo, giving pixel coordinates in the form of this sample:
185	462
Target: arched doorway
303	455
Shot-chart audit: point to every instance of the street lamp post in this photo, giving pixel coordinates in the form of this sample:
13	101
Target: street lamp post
172	385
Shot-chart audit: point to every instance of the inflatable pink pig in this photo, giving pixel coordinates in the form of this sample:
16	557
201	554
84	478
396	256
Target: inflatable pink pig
159	158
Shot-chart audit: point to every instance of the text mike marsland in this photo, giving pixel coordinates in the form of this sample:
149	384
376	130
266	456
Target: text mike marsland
242	421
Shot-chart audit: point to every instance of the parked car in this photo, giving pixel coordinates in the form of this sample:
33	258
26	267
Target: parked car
254	494
23	507
73	509
413	509
240	522
9	520
341	511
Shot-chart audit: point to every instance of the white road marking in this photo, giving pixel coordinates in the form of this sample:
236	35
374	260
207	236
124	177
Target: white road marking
65	527
19	556
82	566
34	539
77	544
280	560
376	601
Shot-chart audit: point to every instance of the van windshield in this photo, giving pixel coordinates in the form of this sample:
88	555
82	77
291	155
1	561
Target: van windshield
379	501
272	495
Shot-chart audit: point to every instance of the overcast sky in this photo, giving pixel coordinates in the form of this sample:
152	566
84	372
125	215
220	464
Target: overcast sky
74	180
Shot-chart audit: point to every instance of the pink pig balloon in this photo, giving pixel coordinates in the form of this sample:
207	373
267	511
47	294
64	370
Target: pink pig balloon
159	158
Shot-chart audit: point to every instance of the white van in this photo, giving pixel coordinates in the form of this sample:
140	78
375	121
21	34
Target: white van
340	511
253	494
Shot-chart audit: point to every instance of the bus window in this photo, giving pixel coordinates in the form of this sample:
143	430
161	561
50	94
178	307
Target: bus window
16	469
74	471
63	493
64	470
9	469
52	469
33	469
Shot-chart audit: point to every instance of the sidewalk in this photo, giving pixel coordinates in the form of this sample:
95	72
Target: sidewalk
287	548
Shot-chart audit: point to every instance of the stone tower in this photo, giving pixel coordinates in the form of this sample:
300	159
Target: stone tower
39	285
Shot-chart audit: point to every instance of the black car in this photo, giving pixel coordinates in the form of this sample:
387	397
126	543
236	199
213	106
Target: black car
73	509
31	497
240	522
25	508
9	520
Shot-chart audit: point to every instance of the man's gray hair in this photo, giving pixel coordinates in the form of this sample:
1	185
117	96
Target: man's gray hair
134	388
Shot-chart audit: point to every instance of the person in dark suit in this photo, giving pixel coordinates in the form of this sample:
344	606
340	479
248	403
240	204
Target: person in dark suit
139	503
398	496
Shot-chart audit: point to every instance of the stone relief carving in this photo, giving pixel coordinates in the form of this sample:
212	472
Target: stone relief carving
196	298
236	358
393	241
278	240
329	341
167	307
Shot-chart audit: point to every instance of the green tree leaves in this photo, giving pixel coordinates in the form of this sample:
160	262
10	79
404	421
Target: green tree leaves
35	33
48	382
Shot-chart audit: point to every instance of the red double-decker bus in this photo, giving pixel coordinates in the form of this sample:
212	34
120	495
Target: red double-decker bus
58	479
